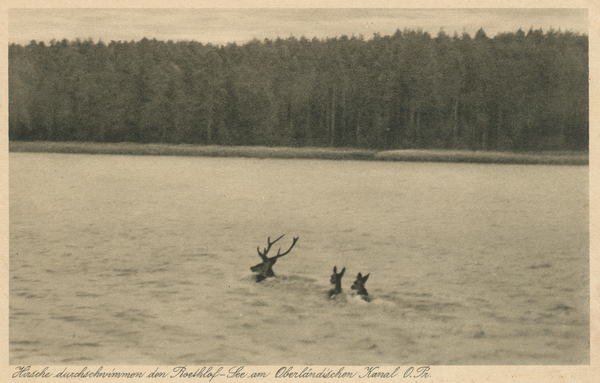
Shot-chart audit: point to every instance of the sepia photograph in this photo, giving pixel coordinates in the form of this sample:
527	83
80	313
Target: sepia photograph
290	186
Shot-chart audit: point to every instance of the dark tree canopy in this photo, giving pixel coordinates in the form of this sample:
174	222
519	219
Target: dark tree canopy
516	91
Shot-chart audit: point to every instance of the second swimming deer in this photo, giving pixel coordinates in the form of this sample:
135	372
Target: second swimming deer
336	280
359	286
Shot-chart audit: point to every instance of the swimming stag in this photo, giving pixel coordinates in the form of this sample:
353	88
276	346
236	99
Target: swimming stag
359	285
265	268
336	280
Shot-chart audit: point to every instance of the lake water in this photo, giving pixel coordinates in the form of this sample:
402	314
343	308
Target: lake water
146	260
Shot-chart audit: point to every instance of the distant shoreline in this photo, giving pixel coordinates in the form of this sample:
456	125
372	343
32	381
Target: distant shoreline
415	155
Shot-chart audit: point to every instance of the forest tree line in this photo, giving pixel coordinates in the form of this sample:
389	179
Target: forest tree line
516	91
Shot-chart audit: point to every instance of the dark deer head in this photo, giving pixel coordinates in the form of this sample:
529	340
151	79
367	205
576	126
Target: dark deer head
359	286
336	279
265	268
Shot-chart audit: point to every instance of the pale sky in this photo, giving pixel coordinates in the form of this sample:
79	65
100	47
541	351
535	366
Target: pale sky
220	26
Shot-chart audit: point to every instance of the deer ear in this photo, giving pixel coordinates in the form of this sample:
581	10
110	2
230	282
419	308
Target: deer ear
366	277
343	271
359	276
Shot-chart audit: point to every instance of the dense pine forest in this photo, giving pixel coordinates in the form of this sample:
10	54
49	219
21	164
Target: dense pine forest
516	91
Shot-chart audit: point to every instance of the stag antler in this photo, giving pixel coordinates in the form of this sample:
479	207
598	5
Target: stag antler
290	249
263	255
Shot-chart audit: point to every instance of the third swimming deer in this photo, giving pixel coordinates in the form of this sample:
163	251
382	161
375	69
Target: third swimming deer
359	286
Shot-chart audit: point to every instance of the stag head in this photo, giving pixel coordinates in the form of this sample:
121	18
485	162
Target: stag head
265	268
